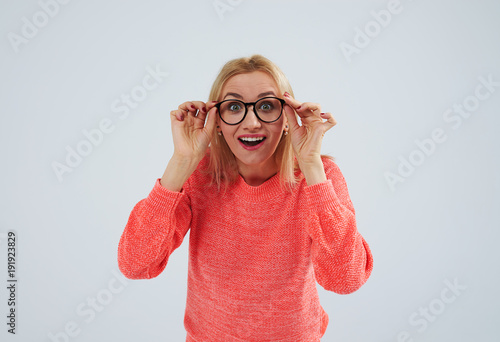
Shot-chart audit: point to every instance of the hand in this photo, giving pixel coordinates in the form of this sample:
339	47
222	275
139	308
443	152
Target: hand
190	133
306	139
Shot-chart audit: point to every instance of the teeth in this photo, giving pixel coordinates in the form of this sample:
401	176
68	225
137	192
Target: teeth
251	139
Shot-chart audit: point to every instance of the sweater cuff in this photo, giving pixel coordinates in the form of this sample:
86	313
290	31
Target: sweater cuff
161	198
322	195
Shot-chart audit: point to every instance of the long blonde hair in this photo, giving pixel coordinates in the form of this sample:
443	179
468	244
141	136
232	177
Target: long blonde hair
222	165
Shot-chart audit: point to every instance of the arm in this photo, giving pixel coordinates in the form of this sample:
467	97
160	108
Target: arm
341	257
157	224
156	227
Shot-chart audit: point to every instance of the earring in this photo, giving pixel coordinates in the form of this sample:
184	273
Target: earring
219	133
286	132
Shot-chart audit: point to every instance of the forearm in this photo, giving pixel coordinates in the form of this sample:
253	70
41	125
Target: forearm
155	228
342	259
313	171
177	173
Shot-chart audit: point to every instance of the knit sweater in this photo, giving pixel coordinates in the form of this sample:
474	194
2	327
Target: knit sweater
255	253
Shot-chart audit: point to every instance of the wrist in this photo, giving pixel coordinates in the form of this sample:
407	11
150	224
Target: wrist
177	173
310	162
313	171
185	162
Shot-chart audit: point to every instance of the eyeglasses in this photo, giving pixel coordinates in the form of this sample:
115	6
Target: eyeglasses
267	109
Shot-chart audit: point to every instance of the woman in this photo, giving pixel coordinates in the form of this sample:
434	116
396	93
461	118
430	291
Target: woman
269	215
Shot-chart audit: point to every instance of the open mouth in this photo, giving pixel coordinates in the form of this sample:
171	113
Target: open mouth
251	141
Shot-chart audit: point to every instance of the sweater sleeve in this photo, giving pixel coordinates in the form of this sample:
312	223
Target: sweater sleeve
342	259
155	228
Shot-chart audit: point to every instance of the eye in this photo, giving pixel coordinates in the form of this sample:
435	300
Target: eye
266	106
234	107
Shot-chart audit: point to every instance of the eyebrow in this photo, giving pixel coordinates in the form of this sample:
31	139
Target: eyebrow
238	96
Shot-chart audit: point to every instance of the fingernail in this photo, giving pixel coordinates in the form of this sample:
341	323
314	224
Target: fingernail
299	107
192	107
286	94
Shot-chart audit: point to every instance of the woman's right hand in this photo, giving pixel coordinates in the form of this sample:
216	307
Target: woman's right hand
192	136
192	129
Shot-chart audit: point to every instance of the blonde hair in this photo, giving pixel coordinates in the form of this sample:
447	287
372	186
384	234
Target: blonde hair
222	165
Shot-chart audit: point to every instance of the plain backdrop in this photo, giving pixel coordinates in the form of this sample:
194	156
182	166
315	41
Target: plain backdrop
393	83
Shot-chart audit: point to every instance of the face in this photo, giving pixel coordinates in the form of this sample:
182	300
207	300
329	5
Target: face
250	87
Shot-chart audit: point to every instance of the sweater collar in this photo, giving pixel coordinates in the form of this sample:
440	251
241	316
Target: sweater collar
267	190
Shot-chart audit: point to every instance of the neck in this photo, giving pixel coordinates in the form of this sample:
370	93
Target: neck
255	175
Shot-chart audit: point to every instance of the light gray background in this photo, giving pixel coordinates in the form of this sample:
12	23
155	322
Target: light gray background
440	224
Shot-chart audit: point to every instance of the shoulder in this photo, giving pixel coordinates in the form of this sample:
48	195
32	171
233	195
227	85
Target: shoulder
333	173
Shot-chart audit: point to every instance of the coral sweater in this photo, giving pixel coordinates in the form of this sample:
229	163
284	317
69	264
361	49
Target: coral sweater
255	253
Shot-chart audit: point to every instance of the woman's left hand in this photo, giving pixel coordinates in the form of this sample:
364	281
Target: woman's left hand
306	139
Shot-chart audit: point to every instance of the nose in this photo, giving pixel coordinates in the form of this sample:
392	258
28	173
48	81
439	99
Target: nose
251	121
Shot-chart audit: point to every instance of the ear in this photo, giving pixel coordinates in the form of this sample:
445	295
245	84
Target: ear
217	124
285	119
285	124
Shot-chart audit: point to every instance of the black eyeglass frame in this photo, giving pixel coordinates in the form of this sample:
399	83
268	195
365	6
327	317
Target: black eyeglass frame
246	109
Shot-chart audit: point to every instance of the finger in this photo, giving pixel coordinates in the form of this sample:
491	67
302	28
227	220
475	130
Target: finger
291	101
200	106
178	114
211	104
307	108
303	109
208	106
192	107
188	110
187	106
330	120
211	120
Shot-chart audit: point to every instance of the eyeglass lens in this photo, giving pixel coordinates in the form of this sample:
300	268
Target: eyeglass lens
268	110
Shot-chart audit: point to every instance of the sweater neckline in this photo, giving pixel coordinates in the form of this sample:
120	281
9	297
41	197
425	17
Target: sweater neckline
267	190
